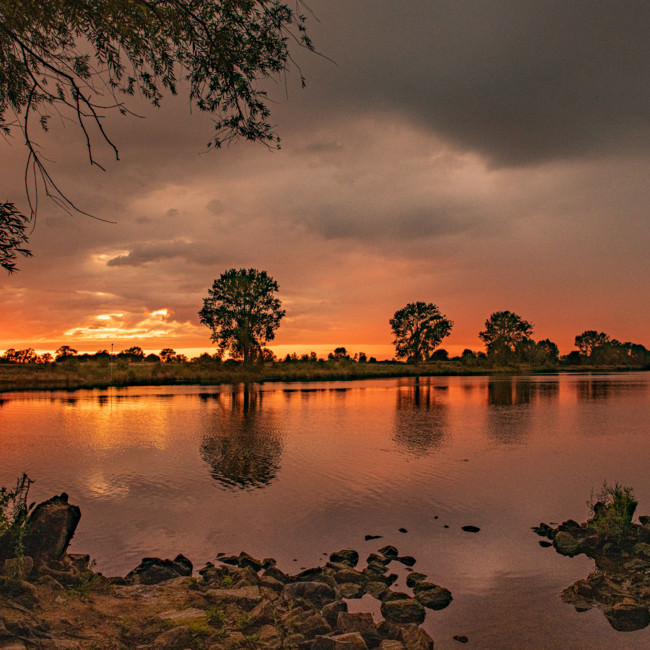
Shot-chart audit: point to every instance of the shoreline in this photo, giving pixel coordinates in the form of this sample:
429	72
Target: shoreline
86	376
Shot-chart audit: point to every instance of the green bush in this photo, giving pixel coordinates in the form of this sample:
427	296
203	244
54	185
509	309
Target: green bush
612	511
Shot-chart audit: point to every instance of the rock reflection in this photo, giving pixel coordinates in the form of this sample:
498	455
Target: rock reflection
243	448
420	420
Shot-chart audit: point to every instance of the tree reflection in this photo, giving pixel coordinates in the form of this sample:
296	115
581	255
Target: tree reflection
243	448
420	420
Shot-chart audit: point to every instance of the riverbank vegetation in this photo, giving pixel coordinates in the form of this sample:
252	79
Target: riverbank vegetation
24	370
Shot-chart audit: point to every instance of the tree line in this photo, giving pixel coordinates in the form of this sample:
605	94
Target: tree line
243	314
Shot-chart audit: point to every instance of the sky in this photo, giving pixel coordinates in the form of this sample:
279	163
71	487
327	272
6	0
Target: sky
480	156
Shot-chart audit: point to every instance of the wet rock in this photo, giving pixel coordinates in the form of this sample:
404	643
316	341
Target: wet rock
50	528
351	589
544	530
347	641
345	556
153	570
470	529
331	611
432	596
361	623
406	560
245	560
375	558
461	638
566	544
403	530
413	578
376	589
349	575
544	543
318	593
415	638
406	610
628	616
389	552
369	537
275	573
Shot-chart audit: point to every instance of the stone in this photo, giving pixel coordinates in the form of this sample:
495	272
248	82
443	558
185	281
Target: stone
566	544
246	597
389	644
269	636
262	613
361	623
461	638
432	596
348	575
376	589
406	610
177	637
245	560
346	556
347	641
375	558
415	638
184	616
318	593
413	578
331	611
389	552
50	528
369	537
406	560
275	573
153	570
470	529
351	589
626	617
17	567
307	622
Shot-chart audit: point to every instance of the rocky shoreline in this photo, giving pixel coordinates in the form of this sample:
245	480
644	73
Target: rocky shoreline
52	599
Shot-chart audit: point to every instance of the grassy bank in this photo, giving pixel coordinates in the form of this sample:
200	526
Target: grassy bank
74	374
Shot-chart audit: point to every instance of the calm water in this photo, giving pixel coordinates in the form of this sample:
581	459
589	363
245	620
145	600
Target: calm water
295	471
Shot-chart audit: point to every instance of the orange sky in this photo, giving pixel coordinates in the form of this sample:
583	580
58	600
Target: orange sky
450	155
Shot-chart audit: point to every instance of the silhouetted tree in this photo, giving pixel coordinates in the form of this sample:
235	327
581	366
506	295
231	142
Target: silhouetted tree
242	311
589	340
27	355
134	353
419	328
76	58
503	332
65	352
168	355
339	354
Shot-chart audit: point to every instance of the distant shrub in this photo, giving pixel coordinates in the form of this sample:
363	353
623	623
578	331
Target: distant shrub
612	511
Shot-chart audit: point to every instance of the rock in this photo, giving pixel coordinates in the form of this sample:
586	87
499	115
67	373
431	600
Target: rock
389	644
369	537
245	560
406	560
407	610
566	544
318	593
544	530
348	641
389	552
269	636
153	570
461	638
470	529
432	596
331	611
544	544
361	623
642	549
262	613
177	637
274	572
626	617
403	530
415	638
17	567
246	597
348	575
351	589
375	558
307	622
413	578
50	528
376	589
184	616
345	556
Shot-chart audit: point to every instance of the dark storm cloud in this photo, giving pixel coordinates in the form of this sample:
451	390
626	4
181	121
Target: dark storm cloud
518	81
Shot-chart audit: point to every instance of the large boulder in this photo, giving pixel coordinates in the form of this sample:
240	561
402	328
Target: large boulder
50	528
153	570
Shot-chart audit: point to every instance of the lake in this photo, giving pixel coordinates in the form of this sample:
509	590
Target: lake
296	471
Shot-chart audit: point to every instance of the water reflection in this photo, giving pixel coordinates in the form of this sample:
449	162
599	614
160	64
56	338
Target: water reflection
508	399
243	446
420	419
